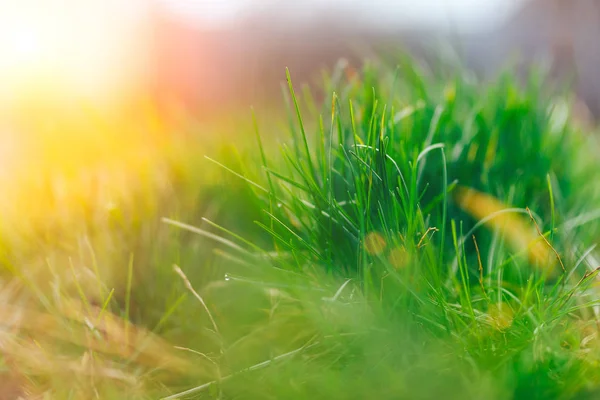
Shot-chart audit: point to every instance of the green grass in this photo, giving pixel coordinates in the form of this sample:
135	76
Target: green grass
379	245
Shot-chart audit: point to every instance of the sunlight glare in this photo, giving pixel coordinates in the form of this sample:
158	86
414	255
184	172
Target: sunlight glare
88	48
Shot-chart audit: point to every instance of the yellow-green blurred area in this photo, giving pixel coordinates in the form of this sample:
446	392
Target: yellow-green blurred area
72	169
88	290
72	155
83	189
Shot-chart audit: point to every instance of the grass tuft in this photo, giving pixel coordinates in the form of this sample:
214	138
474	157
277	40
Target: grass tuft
417	234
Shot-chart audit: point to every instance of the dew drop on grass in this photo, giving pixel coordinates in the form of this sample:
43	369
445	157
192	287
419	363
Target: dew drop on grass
227	277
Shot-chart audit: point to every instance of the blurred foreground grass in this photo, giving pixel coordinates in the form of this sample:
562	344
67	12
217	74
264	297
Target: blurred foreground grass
410	234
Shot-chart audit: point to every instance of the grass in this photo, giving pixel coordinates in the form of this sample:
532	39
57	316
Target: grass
416	233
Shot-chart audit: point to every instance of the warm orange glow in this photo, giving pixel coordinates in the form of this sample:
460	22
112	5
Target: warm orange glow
67	70
88	48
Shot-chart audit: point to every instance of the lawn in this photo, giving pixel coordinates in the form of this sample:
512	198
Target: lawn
398	230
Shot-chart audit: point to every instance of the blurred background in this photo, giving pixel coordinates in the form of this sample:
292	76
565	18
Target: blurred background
208	54
86	82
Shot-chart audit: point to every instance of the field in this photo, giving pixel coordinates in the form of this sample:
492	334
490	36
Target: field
398	230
